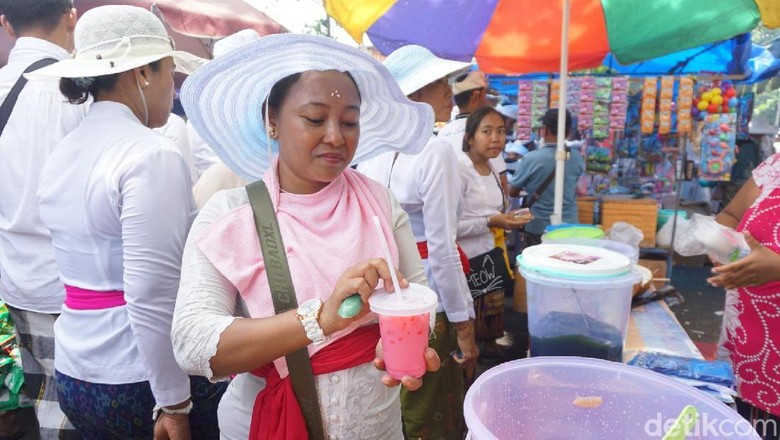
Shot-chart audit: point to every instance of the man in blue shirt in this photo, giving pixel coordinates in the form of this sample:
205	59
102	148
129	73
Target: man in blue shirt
534	170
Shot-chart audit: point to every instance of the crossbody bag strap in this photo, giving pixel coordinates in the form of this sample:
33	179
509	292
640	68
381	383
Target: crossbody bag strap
538	194
10	100
283	294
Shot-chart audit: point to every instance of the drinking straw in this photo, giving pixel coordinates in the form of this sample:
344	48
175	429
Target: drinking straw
388	258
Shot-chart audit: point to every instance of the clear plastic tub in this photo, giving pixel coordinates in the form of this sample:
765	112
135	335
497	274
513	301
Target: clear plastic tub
571	315
535	399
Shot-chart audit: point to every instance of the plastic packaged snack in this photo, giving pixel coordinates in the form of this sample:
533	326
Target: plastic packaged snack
703	235
716	372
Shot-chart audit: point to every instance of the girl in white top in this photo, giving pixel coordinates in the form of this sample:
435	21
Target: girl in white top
322	103
483	221
117	199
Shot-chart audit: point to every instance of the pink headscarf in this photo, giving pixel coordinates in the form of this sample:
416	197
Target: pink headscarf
323	233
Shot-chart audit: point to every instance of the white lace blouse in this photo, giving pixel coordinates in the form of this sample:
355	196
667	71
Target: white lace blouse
354	402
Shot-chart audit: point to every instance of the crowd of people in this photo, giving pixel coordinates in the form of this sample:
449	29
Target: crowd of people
130	241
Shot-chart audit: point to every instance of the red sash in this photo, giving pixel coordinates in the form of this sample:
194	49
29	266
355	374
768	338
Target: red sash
77	298
422	248
276	414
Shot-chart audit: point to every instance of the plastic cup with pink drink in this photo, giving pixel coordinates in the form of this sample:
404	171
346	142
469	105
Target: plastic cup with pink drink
405	321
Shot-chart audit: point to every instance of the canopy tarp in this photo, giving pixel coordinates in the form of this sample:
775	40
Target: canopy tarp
731	57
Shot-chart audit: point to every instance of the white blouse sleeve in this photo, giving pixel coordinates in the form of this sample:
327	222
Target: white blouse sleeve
156	210
469	226
206	304
440	190
410	263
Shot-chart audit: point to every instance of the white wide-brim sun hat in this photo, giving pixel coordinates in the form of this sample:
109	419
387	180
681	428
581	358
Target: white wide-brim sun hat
414	67
114	39
224	100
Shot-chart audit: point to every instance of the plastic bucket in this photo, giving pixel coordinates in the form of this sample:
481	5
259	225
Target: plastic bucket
579	307
665	214
574	231
537	398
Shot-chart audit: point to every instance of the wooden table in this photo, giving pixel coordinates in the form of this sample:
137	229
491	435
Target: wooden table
653	327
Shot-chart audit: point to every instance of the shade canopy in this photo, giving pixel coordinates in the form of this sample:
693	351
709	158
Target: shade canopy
523	36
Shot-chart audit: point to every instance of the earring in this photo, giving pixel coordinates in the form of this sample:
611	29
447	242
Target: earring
145	84
272	133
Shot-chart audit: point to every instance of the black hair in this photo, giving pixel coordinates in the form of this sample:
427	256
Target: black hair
281	89
78	90
473	121
550	121
30	14
462	98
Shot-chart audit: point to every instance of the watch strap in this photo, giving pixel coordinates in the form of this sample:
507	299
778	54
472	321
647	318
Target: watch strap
313	330
283	293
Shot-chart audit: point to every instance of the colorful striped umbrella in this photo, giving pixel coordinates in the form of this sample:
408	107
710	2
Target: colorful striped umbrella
521	36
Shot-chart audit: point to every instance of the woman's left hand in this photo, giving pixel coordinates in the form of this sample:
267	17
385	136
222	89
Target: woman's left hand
432	363
761	266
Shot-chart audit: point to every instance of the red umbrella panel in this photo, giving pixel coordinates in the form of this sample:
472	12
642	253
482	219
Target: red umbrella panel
194	24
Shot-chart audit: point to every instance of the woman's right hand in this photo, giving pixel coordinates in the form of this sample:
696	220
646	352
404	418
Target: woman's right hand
467	343
172	427
361	279
509	220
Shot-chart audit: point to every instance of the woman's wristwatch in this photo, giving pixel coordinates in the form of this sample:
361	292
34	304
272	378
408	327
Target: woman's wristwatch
159	410
309	313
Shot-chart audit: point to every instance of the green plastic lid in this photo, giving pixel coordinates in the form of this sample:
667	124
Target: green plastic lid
593	232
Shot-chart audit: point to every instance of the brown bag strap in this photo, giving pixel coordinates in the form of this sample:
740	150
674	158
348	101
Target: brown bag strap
283	294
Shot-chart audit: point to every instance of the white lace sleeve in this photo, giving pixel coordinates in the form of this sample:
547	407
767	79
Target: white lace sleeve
206	303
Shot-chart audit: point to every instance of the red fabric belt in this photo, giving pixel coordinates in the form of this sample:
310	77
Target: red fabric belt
422	248
77	298
276	414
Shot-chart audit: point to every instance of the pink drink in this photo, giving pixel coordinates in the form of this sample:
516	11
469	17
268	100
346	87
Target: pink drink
404	339
404	323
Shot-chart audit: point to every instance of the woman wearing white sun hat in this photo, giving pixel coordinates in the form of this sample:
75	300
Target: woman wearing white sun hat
116	197
294	111
428	186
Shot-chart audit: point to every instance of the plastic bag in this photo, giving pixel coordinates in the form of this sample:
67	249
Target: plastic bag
706	236
717	372
664	237
626	233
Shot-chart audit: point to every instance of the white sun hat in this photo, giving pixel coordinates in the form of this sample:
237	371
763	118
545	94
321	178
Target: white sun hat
234	41
224	100
114	39
414	67
508	111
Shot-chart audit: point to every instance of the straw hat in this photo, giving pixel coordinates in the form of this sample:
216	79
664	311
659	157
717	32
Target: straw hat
224	100
473	81
414	67
114	39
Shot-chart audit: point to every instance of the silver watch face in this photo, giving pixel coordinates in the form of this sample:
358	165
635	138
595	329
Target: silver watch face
309	307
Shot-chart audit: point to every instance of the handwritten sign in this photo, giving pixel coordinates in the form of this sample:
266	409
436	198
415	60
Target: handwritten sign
489	272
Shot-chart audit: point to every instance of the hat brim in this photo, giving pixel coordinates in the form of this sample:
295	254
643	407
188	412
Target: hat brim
186	63
431	71
224	99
